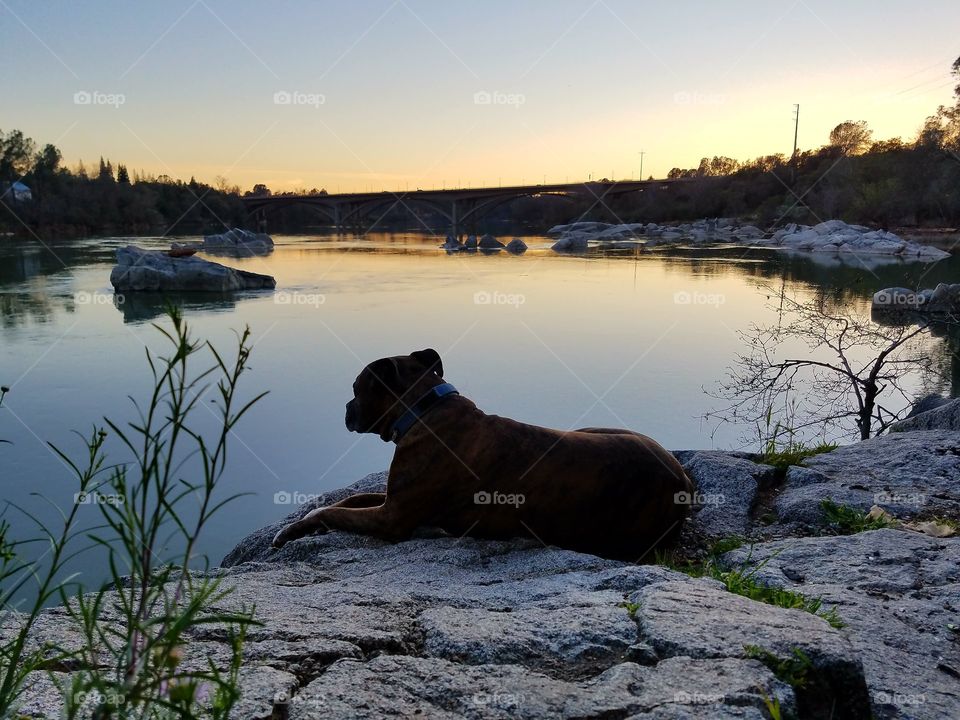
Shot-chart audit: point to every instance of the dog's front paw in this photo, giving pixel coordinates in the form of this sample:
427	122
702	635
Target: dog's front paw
289	532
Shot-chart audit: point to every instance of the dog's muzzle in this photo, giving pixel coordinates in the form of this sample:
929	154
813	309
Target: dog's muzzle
351	418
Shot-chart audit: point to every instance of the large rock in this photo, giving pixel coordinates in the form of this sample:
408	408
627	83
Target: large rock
898	594
153	270
727	486
699	619
909	474
937	414
407	687
355	627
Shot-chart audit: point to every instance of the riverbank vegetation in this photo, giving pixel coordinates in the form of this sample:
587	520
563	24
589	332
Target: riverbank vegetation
122	651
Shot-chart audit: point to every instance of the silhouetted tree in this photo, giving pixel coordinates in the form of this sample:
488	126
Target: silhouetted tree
845	383
122	176
105	174
16	155
851	138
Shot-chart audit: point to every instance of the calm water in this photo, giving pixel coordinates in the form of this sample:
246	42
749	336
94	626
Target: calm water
561	341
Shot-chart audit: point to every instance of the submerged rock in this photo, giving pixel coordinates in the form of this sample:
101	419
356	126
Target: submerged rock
154	270
575	242
489	242
516	246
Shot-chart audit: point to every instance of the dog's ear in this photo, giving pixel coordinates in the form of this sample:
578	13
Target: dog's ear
386	371
430	359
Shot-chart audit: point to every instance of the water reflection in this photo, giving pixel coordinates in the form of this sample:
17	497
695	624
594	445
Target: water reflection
146	307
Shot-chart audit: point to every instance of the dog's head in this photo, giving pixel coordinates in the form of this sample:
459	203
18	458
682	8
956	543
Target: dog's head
387	387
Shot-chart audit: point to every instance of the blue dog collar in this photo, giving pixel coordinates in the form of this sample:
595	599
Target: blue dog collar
419	409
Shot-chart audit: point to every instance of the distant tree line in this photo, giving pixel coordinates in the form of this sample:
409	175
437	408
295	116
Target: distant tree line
852	177
106	200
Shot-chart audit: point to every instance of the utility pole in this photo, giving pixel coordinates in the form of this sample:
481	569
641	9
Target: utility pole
796	134
641	153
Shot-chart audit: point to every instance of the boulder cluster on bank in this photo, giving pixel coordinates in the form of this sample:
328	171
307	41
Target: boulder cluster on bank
139	270
235	242
445	627
832	236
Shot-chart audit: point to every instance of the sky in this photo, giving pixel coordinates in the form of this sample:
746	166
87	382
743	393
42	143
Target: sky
395	94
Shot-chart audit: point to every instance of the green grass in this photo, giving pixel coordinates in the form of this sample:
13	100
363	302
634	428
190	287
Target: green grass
772	705
845	520
793	453
632	608
743	581
133	629
794	670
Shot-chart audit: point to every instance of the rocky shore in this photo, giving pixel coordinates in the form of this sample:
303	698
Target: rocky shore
444	627
832	236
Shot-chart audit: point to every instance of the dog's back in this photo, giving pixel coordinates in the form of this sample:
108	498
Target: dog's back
610	492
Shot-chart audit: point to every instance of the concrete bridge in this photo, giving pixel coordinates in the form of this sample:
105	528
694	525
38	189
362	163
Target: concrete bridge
460	207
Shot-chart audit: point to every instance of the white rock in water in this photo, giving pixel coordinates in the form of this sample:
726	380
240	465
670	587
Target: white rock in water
240	239
154	270
748	231
800	240
831	226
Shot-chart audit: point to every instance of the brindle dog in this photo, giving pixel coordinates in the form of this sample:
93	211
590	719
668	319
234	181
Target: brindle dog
613	493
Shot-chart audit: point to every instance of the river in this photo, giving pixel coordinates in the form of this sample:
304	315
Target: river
613	338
